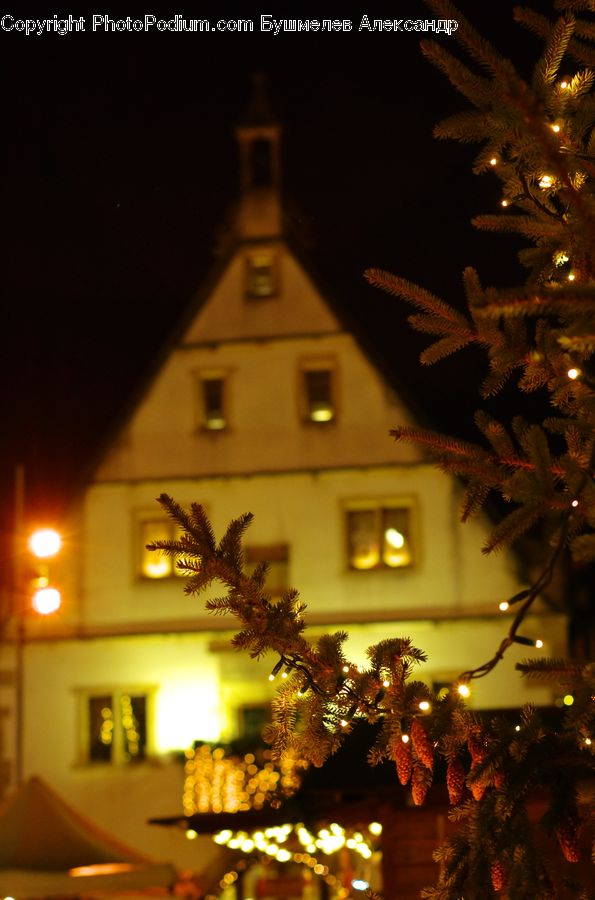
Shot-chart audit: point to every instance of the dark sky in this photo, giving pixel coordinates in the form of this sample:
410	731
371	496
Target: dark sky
119	168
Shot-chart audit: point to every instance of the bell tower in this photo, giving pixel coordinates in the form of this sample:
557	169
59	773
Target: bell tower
258	134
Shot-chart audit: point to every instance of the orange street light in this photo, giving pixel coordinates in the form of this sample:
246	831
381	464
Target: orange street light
42	544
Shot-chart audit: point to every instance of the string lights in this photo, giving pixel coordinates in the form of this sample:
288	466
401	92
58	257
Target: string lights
216	782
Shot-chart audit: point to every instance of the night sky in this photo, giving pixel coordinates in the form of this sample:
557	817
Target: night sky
119	169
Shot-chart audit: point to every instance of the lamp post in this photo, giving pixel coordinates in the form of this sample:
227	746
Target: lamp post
44	599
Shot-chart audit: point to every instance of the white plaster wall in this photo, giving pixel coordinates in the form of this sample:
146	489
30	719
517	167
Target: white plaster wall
296	309
305	511
265	429
122	798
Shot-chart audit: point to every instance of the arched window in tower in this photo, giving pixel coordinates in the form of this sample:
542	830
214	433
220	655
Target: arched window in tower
261	169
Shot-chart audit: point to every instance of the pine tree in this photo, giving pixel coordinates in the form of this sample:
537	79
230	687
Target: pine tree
538	138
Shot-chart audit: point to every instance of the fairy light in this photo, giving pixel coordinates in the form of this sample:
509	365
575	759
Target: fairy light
527	641
517	727
564	85
567	699
346	668
504	203
191	834
571	276
555	128
405	738
424	705
386	683
271	677
546	181
503	606
493	161
588	741
464	690
574	503
573	373
344	723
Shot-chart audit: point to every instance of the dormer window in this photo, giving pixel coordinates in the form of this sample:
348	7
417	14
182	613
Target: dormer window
261	275
319	393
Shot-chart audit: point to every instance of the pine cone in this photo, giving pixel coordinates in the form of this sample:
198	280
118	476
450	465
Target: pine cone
477	749
498	876
455	780
421	744
567	834
500	781
478	788
403	761
420	782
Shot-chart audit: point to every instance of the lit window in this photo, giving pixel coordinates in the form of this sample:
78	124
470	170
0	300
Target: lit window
114	727
379	536
318	395
212	397
277	557
155	564
261	275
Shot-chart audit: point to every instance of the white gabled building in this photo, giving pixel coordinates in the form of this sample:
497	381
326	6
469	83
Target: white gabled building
263	403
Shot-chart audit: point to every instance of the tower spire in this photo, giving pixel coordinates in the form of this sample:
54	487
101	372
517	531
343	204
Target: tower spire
258	134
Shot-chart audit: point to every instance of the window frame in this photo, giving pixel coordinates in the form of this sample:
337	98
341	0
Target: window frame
115	693
272	554
244	734
379	506
202	377
142	519
250	279
318	364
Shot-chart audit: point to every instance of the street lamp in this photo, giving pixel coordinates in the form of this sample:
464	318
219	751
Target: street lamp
43	544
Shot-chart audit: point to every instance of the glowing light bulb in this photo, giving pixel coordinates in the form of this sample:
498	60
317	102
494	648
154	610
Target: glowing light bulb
567	699
284	675
546	181
571	276
346	668
588	741
517	727
191	834
539	643
574	503
503	606
271	677
504	203
424	705
386	683
493	161
573	373
555	128
464	690
45	542
405	738
376	828
343	723
563	85
46	601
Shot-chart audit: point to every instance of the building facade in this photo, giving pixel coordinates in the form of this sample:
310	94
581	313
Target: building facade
264	402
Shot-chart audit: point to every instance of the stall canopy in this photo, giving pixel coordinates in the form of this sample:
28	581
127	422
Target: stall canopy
48	849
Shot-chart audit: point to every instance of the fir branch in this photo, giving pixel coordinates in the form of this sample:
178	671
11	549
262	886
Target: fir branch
547	67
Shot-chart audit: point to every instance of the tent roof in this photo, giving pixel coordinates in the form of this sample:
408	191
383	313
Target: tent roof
39	831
